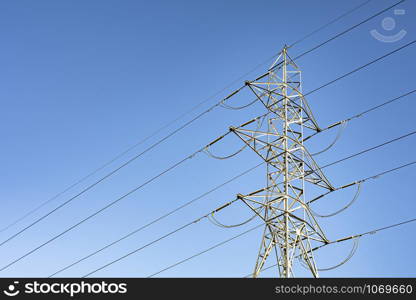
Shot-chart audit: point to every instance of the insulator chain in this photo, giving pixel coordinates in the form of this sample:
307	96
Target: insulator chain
206	150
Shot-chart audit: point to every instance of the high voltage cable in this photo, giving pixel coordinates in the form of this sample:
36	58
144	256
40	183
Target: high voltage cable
388	171
329	23
162	237
370	177
207	250
365	112
160	141
381	105
352	71
147	182
181	127
84	190
354	236
386	227
205	216
258	226
156	220
221	185
131	148
108	205
269	267
370	149
361	67
350	28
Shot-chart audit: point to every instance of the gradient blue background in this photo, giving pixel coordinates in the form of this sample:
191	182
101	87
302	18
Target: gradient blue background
83	80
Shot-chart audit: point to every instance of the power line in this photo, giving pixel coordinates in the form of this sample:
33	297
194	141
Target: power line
330	23
370	149
350	28
92	185
212	190
228	240
175	131
110	204
253	228
354	236
188	224
162	237
361	67
154	145
359	182
131	148
258	226
363	113
386	227
125	195
341	33
156	220
371	109
152	179
209	249
354	70
388	171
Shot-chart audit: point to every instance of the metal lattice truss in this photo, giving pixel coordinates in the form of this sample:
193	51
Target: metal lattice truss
290	227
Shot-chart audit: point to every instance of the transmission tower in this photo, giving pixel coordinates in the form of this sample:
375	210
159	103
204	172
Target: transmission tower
291	230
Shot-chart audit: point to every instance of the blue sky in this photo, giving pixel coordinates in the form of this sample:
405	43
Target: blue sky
84	80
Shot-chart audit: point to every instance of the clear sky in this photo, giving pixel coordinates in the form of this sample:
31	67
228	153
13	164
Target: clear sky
81	81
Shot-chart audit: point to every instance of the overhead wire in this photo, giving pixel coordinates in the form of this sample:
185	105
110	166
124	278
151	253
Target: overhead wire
21	231
158	219
192	155
111	203
208	216
330	23
363	113
89	175
207	250
350	29
371	232
371	109
359	184
361	67
216	188
257	226
97	183
160	141
119	199
343	122
160	238
371	149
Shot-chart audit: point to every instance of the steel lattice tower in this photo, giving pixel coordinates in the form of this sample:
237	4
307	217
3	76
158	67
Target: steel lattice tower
291	230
